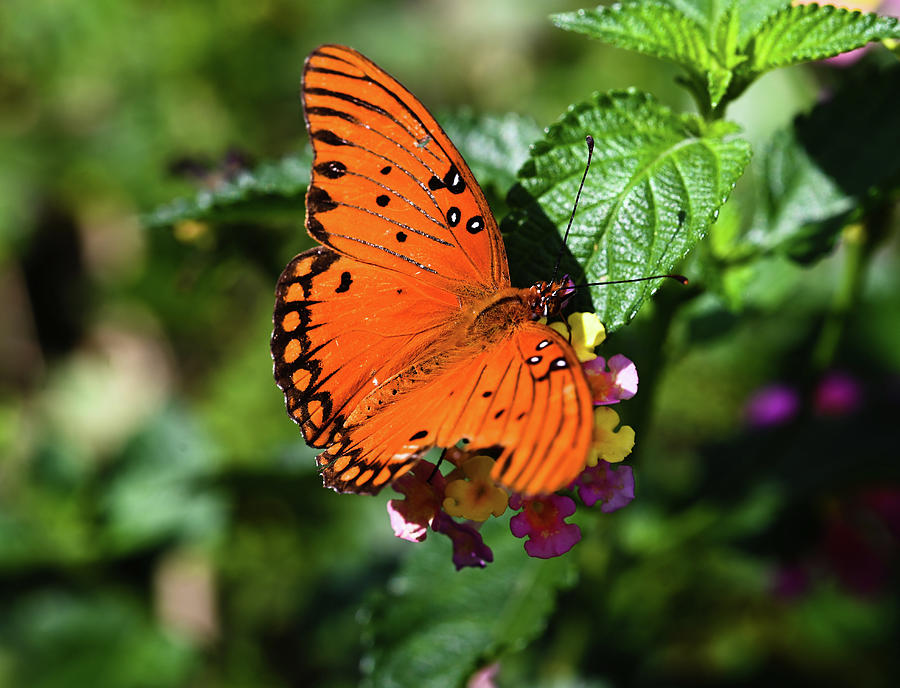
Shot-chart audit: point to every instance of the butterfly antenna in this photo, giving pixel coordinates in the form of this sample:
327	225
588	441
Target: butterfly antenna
678	278
590	146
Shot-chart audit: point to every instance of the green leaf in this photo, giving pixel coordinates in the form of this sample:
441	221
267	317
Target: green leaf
726	45
273	188
839	157
436	626
754	14
709	14
798	200
813	32
656	183
651	28
703	36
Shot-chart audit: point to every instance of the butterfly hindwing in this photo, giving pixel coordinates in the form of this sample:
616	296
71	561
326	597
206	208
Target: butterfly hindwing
388	187
525	394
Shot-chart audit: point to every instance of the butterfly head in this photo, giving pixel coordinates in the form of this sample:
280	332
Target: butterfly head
547	299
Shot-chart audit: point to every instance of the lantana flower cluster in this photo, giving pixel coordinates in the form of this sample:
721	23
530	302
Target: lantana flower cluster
458	503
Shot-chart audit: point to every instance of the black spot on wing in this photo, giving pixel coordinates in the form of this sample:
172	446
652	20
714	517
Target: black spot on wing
331	169
329	137
419	435
346	281
318	200
331	112
454	181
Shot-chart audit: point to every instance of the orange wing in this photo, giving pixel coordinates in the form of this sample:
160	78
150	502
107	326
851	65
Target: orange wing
337	335
388	187
526	394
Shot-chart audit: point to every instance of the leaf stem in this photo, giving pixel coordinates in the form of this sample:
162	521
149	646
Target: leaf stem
857	249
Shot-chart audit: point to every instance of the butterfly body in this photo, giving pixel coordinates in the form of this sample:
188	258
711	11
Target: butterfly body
402	331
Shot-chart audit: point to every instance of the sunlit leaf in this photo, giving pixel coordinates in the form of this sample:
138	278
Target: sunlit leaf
647	27
655	185
812	32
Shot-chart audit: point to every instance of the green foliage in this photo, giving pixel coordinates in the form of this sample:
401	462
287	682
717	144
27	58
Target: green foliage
434	626
271	189
724	47
814	183
656	183
113	642
161	487
813	32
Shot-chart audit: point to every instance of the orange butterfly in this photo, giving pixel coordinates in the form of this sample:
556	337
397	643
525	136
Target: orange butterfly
401	332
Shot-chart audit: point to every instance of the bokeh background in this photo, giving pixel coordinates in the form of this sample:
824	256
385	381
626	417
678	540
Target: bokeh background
161	521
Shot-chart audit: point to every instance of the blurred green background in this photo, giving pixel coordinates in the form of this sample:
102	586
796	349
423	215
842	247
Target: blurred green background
161	521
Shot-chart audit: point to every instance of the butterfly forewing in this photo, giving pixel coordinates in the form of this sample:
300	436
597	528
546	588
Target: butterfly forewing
388	187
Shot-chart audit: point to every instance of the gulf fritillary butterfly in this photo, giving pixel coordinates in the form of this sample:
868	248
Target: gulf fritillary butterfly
402	332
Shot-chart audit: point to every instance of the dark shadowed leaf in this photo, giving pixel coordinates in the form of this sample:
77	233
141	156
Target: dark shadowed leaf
817	173
436	626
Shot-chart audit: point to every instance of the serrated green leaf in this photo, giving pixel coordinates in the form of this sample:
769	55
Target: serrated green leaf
436	626
656	183
727	38
813	32
751	14
726	45
651	28
273	187
754	14
701	35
